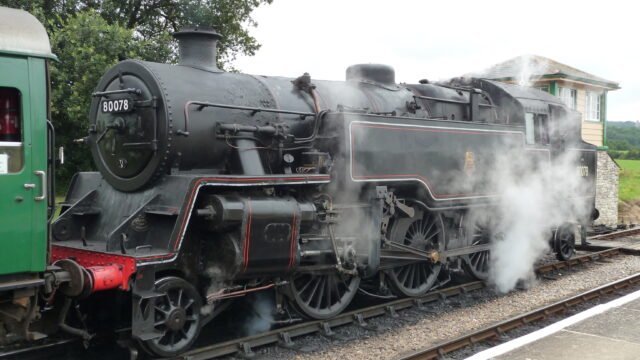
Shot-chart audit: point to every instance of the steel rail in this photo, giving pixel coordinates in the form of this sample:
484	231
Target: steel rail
578	260
22	352
616	234
497	330
283	336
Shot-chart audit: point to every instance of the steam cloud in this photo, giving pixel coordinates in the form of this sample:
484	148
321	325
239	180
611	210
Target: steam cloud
531	69
260	316
534	196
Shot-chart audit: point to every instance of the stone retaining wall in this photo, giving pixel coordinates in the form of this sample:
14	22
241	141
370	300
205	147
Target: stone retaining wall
608	175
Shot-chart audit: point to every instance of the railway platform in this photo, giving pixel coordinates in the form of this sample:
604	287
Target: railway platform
606	331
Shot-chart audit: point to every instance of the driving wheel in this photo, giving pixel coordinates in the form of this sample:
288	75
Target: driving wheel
425	232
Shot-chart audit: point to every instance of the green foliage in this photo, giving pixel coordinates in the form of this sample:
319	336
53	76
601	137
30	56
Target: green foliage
89	36
619	144
623	139
629	188
86	46
623	135
156	19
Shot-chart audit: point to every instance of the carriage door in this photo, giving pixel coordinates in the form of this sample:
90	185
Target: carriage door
19	185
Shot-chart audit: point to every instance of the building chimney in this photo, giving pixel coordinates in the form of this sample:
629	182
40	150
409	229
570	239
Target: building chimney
198	47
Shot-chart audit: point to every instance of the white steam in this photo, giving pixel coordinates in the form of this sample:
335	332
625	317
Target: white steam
260	317
531	69
534	197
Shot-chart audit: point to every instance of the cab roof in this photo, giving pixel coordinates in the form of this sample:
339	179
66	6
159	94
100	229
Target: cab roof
21	33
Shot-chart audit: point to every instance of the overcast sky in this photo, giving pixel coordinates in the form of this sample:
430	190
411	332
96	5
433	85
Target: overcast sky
442	39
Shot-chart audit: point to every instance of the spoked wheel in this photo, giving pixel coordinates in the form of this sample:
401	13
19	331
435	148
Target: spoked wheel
177	317
477	264
425	232
565	242
322	296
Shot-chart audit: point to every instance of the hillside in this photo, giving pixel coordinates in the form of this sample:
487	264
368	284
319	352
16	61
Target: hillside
623	139
629	191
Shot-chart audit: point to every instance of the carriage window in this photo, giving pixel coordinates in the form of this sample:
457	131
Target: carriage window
11	158
536	129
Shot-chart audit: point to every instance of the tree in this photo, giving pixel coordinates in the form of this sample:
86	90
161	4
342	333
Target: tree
89	36
619	144
155	19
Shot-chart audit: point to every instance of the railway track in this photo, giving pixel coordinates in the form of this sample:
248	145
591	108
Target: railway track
284	336
497	330
616	234
24	353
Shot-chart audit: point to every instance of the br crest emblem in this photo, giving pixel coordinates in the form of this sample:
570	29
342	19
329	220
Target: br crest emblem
469	163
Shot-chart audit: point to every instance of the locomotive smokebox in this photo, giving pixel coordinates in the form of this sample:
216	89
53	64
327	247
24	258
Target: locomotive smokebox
198	47
378	73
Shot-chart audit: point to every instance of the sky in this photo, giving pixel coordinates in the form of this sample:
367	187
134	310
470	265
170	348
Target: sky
441	39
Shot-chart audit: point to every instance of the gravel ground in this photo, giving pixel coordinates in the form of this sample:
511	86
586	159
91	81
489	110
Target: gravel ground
416	329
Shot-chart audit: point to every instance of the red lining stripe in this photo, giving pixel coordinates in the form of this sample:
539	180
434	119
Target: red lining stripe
247	238
419	177
197	184
416	128
292	250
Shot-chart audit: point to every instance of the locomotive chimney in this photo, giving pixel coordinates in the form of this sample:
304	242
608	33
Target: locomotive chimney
198	47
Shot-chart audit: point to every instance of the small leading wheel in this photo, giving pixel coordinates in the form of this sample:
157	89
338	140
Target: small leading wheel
177	317
425	232
477	264
322	296
564	242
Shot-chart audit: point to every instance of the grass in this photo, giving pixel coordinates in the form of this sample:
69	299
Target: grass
629	180
59	199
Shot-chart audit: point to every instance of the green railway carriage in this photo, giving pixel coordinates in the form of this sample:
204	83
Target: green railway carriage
25	165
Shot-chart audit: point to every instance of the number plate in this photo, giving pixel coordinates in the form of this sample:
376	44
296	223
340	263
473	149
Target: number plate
116	106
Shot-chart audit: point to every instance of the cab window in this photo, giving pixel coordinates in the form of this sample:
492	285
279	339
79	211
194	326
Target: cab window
11	140
536	129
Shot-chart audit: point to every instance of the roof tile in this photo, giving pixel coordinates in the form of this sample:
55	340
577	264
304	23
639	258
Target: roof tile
525	67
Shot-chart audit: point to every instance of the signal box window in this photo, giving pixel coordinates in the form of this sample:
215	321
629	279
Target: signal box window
536	129
544	88
11	145
592	106
569	96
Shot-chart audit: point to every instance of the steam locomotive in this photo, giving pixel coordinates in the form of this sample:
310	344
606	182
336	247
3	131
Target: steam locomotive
213	185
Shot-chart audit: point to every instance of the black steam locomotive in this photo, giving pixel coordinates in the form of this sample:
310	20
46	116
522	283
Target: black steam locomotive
212	185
